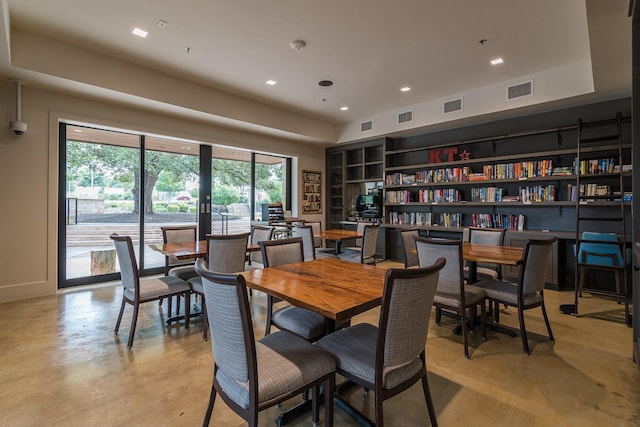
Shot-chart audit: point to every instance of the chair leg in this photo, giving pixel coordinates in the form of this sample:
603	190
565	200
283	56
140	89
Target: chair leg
328	402
134	320
267	330
117	328
212	400
546	319
315	404
627	317
483	319
379	413
523	331
465	332
427	398
438	315
187	309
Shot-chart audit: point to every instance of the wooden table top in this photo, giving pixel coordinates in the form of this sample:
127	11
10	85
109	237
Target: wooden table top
505	255
189	250
334	288
338	234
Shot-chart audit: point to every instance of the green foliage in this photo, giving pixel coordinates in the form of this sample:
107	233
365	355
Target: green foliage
173	208
275	194
193	209
224	195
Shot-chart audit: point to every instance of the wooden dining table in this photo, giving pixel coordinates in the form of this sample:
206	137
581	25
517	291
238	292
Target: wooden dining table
334	288
474	253
338	236
189	250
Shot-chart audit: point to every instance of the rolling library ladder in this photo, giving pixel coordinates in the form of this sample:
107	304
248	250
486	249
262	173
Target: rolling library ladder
600	239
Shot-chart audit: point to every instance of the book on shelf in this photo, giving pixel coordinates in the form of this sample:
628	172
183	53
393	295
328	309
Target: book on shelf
595	166
410	218
538	193
511	222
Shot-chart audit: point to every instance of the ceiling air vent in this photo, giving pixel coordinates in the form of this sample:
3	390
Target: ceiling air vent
452	106
365	126
405	117
519	90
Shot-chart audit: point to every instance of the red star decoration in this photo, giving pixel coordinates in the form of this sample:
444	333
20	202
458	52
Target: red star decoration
465	155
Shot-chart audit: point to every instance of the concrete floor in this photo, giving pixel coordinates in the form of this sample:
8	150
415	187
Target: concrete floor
61	365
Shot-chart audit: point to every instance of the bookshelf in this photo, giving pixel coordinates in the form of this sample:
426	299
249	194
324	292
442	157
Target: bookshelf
496	182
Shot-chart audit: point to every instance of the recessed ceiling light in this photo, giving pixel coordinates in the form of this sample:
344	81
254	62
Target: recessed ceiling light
271	82
78	130
405	89
497	61
345	108
140	33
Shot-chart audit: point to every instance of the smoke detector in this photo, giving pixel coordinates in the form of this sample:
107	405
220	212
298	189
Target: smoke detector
297	44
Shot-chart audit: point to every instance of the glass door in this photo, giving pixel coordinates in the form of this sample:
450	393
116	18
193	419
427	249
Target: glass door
170	193
98	171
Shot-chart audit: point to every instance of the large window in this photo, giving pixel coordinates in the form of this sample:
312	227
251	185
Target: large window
115	182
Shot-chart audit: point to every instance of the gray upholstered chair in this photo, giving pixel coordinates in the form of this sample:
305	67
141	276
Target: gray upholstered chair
182	269
408	244
174	266
136	292
259	234
316	228
225	254
310	252
452	294
305	323
485	236
305	232
529	291
390	358
367	253
254	375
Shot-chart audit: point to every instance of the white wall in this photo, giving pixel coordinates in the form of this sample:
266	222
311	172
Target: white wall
29	171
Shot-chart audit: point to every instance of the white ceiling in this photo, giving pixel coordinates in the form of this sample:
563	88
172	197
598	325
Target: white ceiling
368	48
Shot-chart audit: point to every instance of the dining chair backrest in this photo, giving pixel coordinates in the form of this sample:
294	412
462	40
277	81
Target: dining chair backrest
282	251
177	234
404	322
360	229
232	338
369	240
487	236
226	253
305	232
259	234
128	264
316	228
409	246
536	263
451	279
601	249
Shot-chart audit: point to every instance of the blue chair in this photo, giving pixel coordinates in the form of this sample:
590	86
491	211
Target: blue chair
601	251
